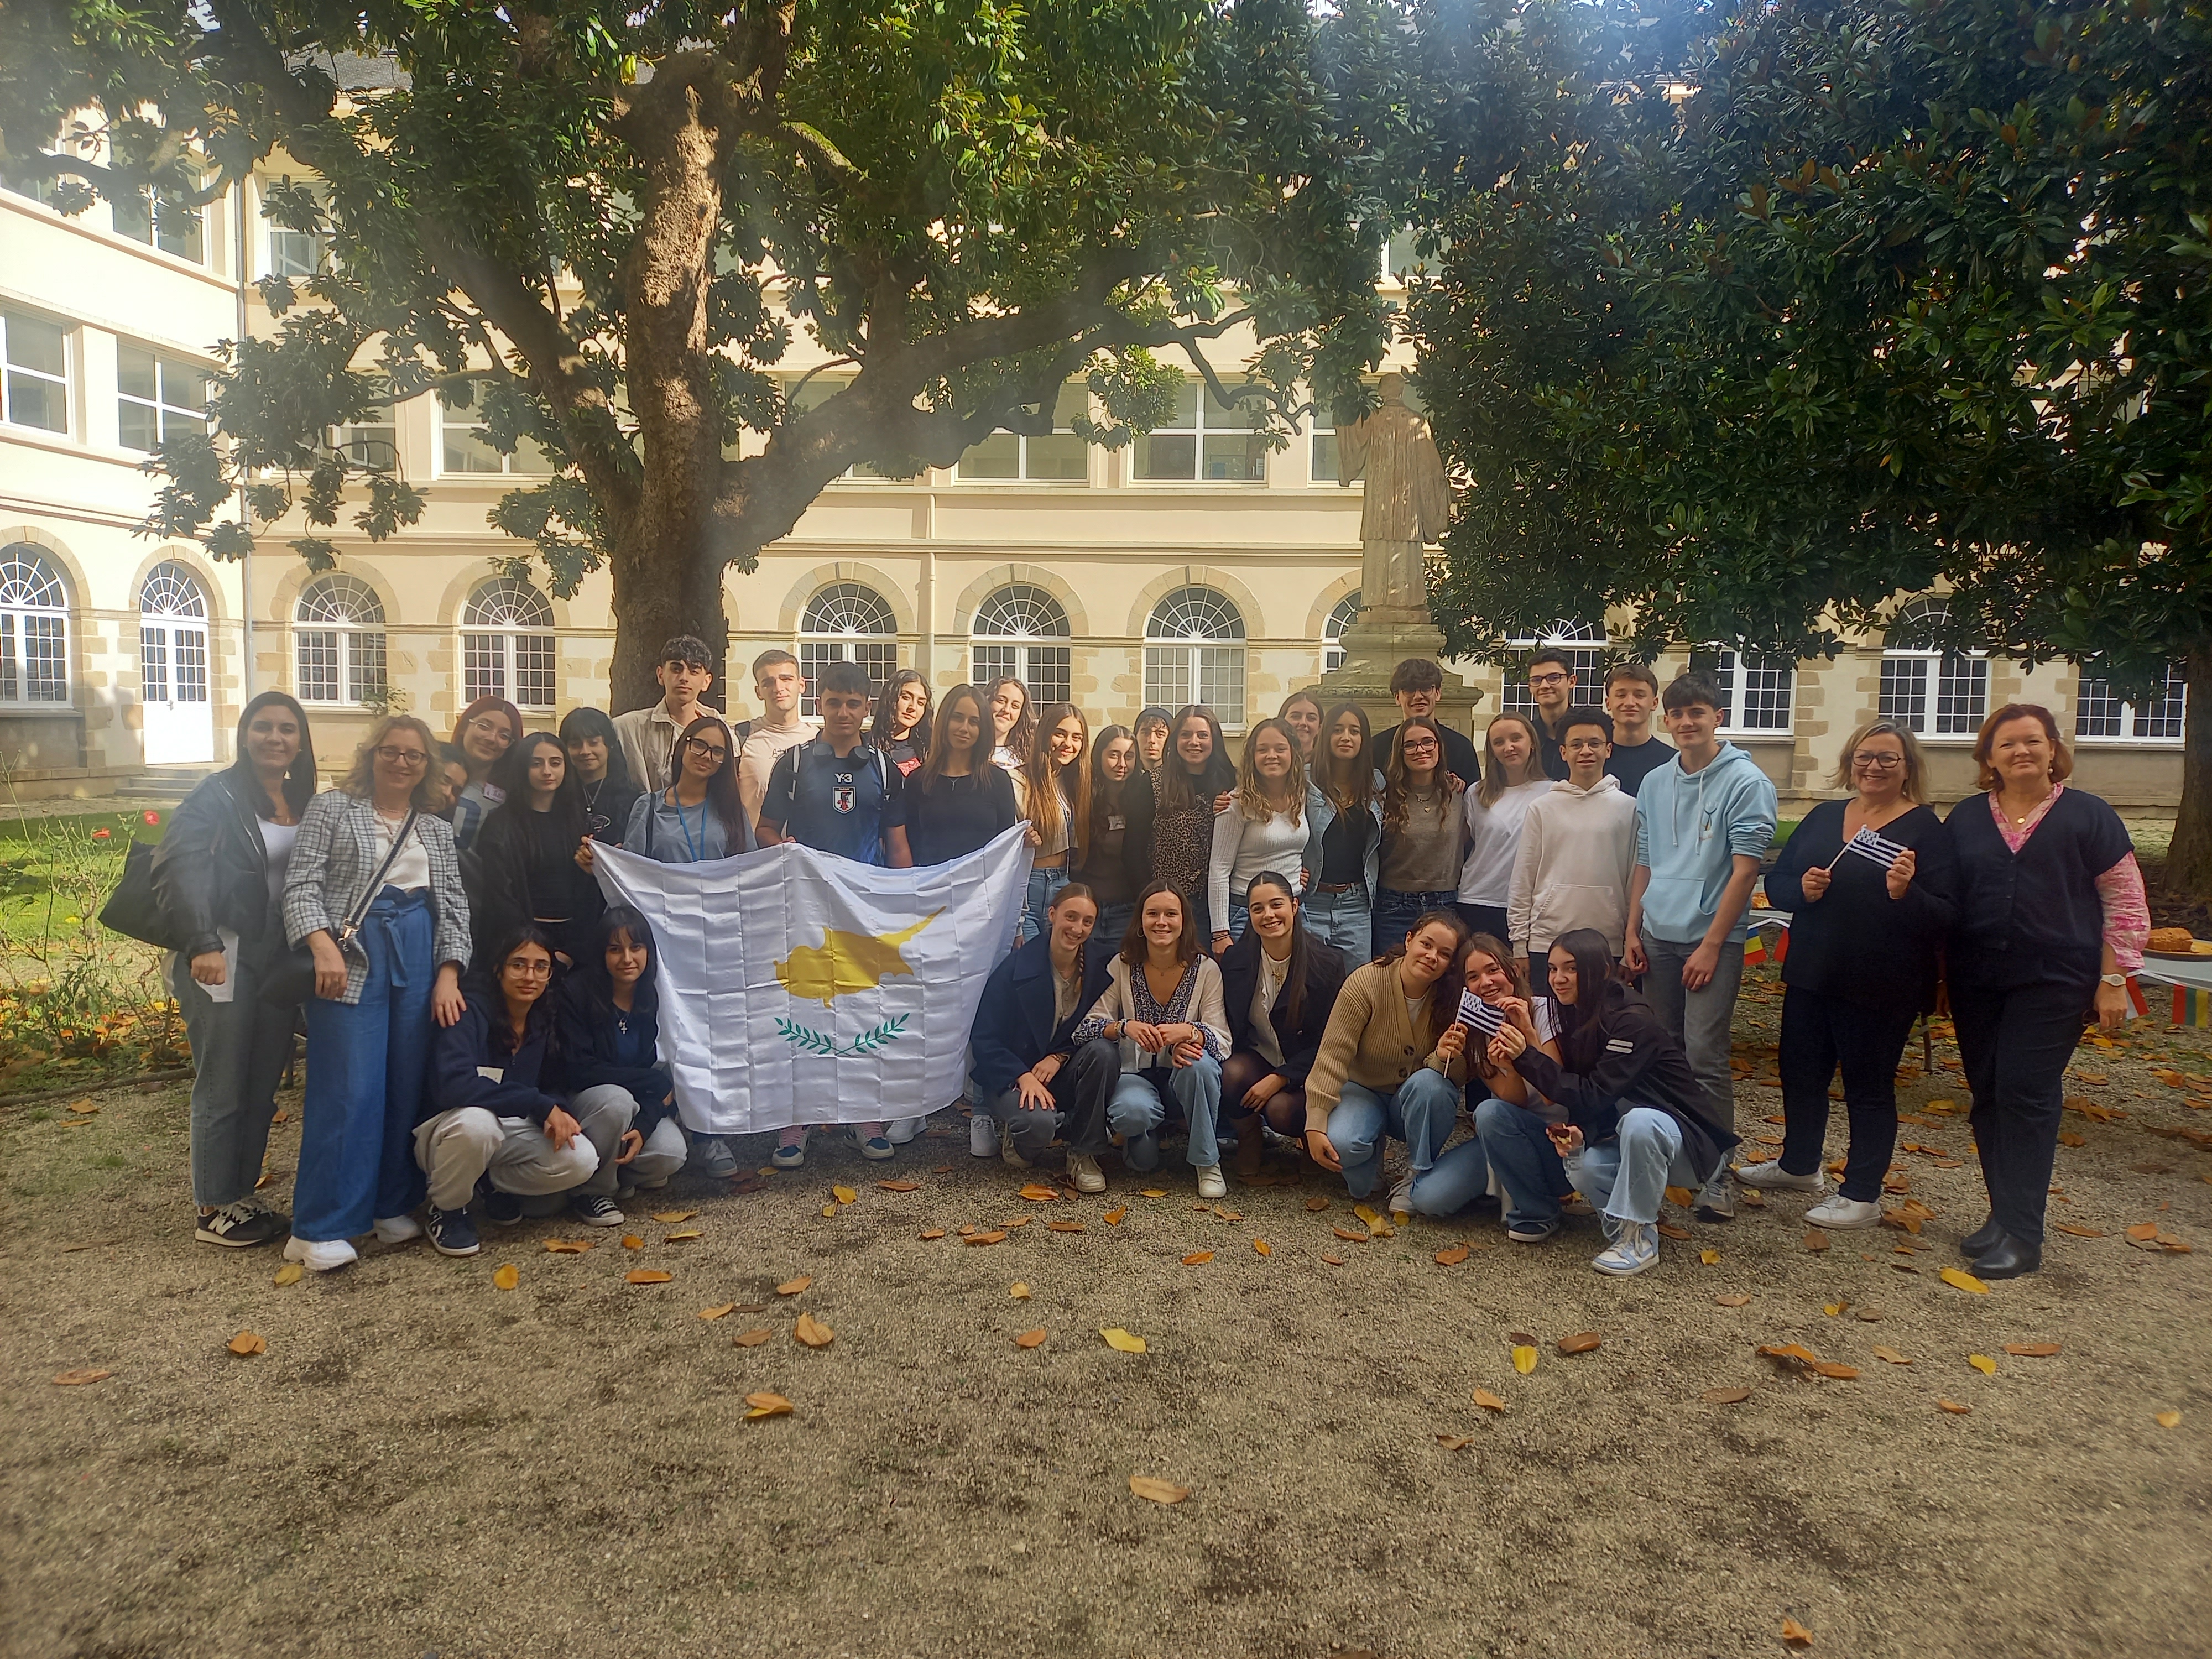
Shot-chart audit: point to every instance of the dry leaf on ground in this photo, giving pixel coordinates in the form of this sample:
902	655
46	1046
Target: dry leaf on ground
85	1106
1668	1229
1452	1257
1680	1197
1018	1221
1121	1341
1158	1492
1816	1240
1795	1634
812	1332
933	1233
900	1185
1261	1247
1952	1406
1831	1368
1152	1192
1964	1281
1524	1358
767	1405
1725	1396
1113	1218
1348	1236
1983	1362
829	1210
1581	1342
647	1276
683	1236
1030	1339
1488	1402
1710	1256
1334	1261
2032	1349
1063	1226
753	1338
632	1242
2164	1420
717	1313
1036	1193
1733	1299
671	1217
1317	1203
1454	1442
77	1379
245	1342
997	1235
1020	1292
1891	1356
291	1273
508	1276
794	1286
564	1246
1197	1258
844	1194
2078	1232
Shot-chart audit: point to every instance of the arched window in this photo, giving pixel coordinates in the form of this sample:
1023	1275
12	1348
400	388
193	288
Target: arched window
847	622
1926	689
1758	693
172	642
507	645
1331	631
1023	631
1194	653
339	642
34	628
1584	644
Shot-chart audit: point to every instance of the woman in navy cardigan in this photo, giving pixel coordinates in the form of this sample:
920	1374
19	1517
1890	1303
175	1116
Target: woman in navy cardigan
1269	1055
2051	920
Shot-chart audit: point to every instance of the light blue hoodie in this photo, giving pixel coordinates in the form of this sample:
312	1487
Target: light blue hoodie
1689	828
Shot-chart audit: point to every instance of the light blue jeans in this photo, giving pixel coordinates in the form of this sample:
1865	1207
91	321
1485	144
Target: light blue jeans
1044	887
1421	1112
1341	920
1140	1106
1528	1168
1106	937
1627	1177
1240	918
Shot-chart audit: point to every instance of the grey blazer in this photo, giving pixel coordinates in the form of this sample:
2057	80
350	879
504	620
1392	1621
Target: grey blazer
337	851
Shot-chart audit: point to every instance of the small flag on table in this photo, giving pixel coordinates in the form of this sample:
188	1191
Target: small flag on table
1880	849
2192	1007
1754	948
1479	1015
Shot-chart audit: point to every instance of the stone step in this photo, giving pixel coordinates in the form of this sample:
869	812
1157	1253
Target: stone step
170	783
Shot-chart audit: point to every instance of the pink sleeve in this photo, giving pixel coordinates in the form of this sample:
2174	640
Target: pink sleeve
2127	913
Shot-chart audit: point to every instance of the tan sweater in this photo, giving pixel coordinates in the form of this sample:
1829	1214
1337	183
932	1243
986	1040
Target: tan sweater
1370	1041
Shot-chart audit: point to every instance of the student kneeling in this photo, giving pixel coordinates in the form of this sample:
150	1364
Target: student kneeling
1034	1082
609	1024
1619	1113
491	1131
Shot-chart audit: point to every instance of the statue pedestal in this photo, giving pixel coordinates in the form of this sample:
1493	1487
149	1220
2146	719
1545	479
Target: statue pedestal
1381	638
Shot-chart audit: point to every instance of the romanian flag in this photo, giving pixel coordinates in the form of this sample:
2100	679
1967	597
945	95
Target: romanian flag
2190	1007
1755	951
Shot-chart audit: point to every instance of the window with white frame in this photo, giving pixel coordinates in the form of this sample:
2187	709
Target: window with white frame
1194	653
1059	457
172	655
847	622
164	220
1584	644
372	438
1021	630
1757	692
34	389
1934	693
817	391
339	642
507	648
2101	715
295	254
1325	463
34	628
1205	441
1331	631
1401	259
464	444
156	399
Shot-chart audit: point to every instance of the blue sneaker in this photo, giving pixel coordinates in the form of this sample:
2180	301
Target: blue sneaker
877	1147
452	1232
790	1156
505	1208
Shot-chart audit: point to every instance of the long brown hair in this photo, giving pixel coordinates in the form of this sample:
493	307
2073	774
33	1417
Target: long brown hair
1251	788
461	725
722	788
1175	788
1053	786
1444	995
299	784
1395	779
1493	785
361	782
1132	939
1516	970
1349	785
1022	735
940	738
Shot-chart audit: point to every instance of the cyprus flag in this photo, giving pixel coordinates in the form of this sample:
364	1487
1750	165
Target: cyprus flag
797	987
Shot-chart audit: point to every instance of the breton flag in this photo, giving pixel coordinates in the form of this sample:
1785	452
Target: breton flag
1882	850
797	987
1476	1014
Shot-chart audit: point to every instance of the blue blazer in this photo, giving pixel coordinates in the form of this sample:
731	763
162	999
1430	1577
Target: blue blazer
1320	812
1014	1028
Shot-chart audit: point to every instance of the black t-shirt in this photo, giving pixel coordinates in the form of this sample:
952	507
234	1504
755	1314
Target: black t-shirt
1633	762
845	806
1344	850
955	817
1460	757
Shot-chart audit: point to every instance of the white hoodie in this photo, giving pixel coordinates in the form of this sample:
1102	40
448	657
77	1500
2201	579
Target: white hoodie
1577	850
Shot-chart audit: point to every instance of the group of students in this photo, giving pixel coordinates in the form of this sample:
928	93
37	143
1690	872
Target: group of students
1341	940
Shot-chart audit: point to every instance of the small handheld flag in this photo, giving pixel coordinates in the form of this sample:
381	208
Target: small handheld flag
1478	1015
1880	849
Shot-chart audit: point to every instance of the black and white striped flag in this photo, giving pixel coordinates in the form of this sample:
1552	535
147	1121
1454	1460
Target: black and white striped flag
1882	850
1478	1015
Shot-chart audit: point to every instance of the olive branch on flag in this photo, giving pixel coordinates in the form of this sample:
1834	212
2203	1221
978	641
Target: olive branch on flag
809	1041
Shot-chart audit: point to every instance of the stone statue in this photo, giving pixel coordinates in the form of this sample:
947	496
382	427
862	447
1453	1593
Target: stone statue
1408	499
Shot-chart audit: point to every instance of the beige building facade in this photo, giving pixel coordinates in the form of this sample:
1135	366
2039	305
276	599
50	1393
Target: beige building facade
1194	565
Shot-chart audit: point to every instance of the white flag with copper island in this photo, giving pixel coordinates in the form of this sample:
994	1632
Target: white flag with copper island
797	987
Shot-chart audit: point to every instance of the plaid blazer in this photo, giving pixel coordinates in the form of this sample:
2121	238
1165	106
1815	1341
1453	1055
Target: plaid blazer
337	851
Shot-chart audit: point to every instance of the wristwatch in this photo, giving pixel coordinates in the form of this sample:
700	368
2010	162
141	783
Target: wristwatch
2117	981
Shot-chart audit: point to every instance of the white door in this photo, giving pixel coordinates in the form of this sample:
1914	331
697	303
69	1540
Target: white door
173	669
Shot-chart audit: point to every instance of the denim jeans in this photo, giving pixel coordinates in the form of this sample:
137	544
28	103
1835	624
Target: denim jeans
1699	1020
1044	887
367	1063
1396	914
1627	1177
1455	1181
1820	1033
1081	1090
1421	1112
1240	918
239	1051
2015	1043
1342	920
1139	1105
1528	1167
1106	938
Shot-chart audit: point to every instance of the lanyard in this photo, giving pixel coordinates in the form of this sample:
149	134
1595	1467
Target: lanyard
698	849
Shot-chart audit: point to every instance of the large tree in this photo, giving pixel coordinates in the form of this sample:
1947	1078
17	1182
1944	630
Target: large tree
1907	294
602	222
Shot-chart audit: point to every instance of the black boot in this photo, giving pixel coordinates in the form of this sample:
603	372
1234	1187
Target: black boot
1983	1239
2008	1259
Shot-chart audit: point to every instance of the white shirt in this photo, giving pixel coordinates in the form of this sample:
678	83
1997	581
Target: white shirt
1486	878
1244	847
411	871
1264	993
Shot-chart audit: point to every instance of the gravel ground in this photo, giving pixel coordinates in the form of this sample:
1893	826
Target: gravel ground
423	1463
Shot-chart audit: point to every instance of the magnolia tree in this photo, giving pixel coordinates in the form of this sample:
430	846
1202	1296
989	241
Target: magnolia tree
601	224
1779	316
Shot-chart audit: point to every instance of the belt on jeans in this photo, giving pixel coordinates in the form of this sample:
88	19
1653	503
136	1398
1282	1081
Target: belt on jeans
1331	888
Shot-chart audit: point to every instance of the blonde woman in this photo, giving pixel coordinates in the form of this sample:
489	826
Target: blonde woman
1056	797
374	890
1513	776
1264	829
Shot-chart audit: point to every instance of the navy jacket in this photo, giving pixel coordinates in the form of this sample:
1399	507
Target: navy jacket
1014	1027
460	1055
2033	916
1240	975
595	1049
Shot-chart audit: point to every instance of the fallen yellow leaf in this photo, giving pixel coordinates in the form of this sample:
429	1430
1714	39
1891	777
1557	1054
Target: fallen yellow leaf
1892	1356
1525	1358
1710	1256
1121	1341
1158	1492
933	1232
1964	1281
1152	1192
1952	1406
508	1276
752	1339
2164	1420
1113	1218
681	1237
1725	1396
1197	1258
245	1343
2032	1349
1581	1342
1452	1257
829	1209
1030	1339
671	1217
1020	1292
900	1185
77	1379
812	1332
1795	1634
649	1276
1733	1299
1488	1402
1261	1247
844	1194
632	1242
717	1313
767	1405
84	1106
562	1247
996	1236
792	1287
291	1273
1680	1197
1454	1442
1983	1362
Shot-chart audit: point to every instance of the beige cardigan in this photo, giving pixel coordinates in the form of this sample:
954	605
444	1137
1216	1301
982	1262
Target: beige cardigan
1369	1041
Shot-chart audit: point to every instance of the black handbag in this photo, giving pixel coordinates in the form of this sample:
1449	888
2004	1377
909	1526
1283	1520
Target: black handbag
134	908
290	980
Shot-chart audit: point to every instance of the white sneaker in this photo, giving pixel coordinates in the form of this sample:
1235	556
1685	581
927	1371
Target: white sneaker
1210	1183
1717	1202
1634	1249
982	1135
1401	1198
904	1129
397	1229
320	1255
1772	1177
1083	1170
1844	1213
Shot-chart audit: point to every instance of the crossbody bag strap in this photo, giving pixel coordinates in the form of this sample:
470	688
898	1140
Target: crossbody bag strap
360	912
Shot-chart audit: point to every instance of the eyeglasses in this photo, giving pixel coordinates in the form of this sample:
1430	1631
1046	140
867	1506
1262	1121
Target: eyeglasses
1878	763
1420	745
488	723
1549	679
712	752
398	757
526	969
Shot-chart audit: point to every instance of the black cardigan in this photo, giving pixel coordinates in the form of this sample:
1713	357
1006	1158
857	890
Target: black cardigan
1635	1062
594	1050
2033	917
1240	976
211	870
460	1055
1855	942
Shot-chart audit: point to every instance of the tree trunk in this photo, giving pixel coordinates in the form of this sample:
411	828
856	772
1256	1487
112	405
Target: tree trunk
656	598
2189	862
